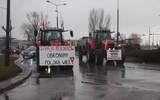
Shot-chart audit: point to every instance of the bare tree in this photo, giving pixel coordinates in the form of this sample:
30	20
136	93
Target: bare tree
35	20
98	20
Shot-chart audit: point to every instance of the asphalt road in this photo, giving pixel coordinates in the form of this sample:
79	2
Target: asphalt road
133	81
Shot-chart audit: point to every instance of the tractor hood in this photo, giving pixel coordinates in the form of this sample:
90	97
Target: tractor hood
106	44
55	43
122	45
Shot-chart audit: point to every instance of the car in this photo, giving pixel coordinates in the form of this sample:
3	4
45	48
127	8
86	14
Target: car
82	42
30	52
12	50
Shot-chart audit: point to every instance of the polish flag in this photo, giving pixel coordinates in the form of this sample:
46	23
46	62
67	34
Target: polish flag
62	25
43	26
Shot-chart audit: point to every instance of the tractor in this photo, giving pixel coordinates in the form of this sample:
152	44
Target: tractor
102	46
82	43
130	44
53	50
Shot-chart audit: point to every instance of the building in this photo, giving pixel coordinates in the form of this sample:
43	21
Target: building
14	43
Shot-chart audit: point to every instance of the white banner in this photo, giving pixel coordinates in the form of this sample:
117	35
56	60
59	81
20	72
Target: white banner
114	55
56	55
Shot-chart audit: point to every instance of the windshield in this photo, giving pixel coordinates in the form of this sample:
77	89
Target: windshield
85	39
31	48
52	35
129	41
102	35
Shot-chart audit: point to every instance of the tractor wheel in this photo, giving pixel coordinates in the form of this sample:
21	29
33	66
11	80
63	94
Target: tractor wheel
121	62
99	57
137	47
89	55
80	56
110	62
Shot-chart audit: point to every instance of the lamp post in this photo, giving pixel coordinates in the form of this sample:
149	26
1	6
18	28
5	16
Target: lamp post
149	33
117	21
7	34
56	8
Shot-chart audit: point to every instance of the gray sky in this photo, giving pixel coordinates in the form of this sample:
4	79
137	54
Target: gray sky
134	15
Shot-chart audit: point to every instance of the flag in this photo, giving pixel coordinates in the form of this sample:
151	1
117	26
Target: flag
43	26
62	24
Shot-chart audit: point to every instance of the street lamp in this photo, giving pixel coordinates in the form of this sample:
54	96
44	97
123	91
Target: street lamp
149	33
117	21
56	8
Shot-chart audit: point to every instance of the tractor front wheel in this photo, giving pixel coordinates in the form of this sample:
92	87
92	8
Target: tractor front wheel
89	55
121	62
99	57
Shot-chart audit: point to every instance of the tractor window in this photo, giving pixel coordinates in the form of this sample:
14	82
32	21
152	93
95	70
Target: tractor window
53	35
85	39
132	41
126	41
129	41
104	35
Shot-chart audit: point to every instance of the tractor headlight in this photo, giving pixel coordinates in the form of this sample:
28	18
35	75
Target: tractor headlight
119	45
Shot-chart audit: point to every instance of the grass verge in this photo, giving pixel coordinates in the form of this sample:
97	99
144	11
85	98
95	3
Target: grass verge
7	72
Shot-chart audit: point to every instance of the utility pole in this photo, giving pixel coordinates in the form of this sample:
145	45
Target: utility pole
7	34
149	33
117	21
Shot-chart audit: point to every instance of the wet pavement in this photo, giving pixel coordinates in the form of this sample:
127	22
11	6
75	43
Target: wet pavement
133	81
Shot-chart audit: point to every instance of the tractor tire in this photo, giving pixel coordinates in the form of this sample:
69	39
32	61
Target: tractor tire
80	56
89	55
121	62
137	47
37	59
99	57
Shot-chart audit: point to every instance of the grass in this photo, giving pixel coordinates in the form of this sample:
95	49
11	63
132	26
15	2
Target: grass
7	72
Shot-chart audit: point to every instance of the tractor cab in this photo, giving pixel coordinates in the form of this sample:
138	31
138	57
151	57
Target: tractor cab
130	44
101	35
52	37
129	41
103	39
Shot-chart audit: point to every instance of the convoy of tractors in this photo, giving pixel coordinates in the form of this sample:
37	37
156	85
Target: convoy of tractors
98	47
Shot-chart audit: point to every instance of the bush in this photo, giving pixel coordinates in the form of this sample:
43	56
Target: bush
7	72
145	55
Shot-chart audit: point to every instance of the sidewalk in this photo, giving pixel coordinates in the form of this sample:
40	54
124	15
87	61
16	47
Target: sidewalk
17	80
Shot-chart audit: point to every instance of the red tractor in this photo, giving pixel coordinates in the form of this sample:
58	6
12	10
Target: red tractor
82	43
130	44
102	46
53	50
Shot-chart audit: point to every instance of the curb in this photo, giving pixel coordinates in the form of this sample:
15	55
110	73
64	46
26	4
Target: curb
17	80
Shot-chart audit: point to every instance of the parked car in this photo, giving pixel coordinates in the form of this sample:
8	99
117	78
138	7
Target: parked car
12	50
30	52
82	42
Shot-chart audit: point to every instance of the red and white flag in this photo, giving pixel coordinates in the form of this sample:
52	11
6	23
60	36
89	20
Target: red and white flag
43	26
62	24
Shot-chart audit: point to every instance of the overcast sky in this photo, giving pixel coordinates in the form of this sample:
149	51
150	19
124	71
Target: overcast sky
134	15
